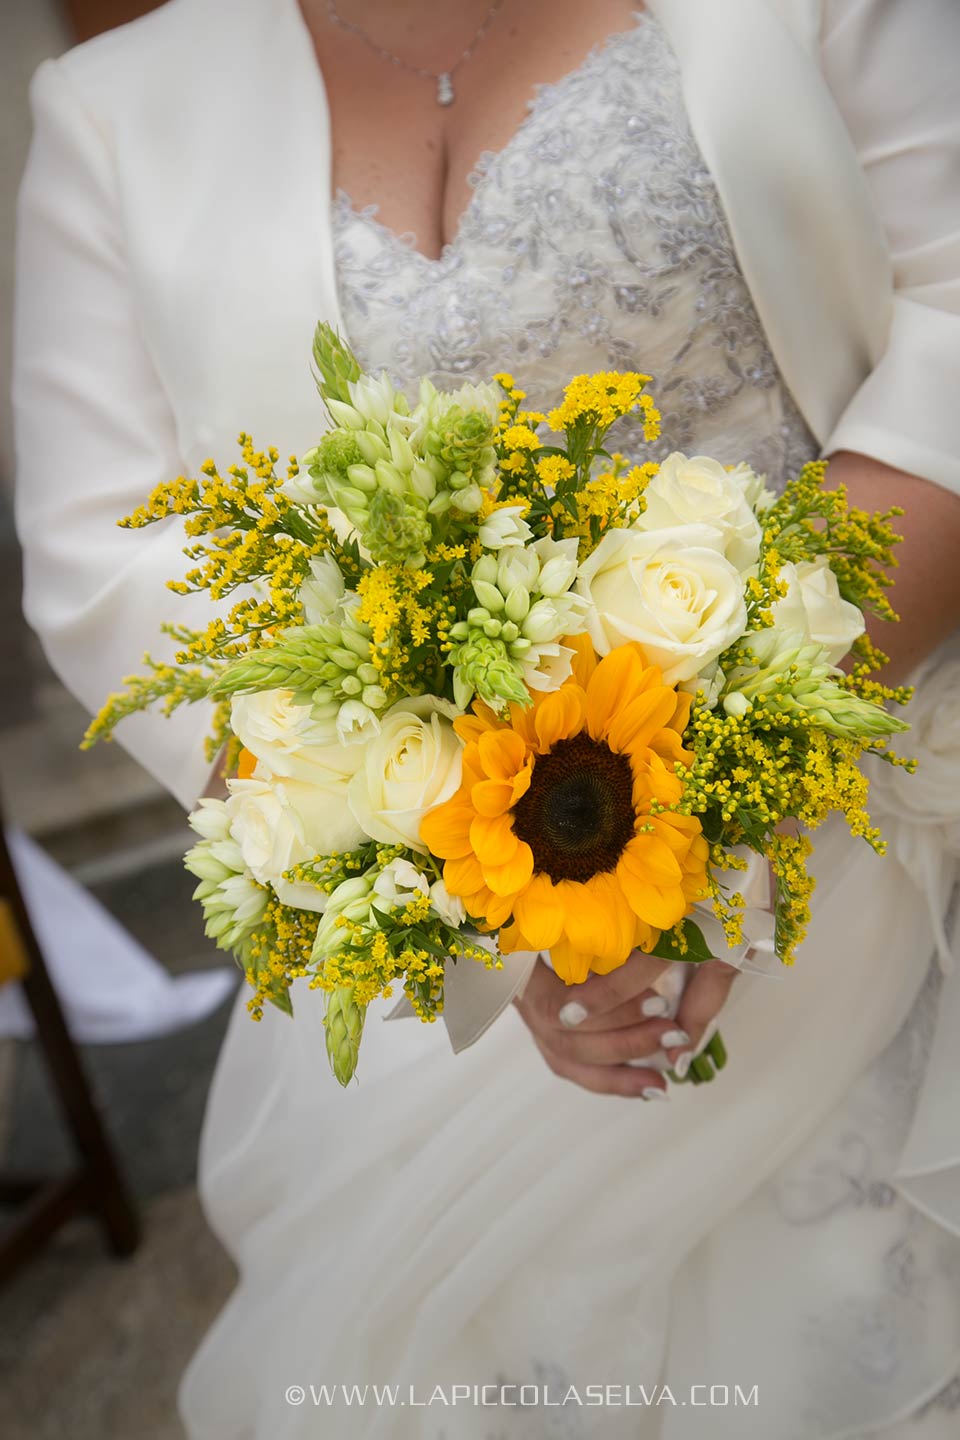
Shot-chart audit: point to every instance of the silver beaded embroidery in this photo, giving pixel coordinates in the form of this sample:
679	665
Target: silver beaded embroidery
595	239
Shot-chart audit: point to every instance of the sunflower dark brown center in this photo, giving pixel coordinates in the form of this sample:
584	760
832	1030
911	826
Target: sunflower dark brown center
577	815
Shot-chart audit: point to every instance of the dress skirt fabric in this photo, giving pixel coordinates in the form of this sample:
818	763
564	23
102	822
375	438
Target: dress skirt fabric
474	1220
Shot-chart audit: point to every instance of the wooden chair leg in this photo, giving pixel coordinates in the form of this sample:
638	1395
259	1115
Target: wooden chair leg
96	1184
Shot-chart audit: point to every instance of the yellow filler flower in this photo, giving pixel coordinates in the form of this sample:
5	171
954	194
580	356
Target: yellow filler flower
560	832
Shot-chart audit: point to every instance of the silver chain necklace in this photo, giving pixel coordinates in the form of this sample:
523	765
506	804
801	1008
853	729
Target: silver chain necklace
443	78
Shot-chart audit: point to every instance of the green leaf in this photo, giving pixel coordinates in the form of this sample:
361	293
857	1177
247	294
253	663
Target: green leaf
281	998
697	949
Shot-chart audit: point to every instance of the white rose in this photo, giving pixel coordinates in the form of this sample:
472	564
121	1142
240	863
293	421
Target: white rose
322	592
670	590
758	496
411	766
281	823
397	884
699	491
293	741
449	907
814	609
505	527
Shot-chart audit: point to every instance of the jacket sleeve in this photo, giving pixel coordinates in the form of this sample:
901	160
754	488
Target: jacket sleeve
94	433
894	70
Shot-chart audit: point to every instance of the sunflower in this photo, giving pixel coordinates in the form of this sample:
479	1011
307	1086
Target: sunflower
561	834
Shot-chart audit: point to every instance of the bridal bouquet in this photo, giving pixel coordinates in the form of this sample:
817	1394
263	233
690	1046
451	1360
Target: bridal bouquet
482	679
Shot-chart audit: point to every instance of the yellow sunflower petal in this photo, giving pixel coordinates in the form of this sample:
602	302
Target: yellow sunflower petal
491	797
521	781
661	906
246	764
463	875
584	659
494	910
681	716
471	727
502	753
511	938
587	922
616	681
621	917
571	964
559	716
637	723
539	913
493	840
446	830
652	859
511	877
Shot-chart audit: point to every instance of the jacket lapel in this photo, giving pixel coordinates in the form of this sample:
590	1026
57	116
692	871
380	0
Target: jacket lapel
809	242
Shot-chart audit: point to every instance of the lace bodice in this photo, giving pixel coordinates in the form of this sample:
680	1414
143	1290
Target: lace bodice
593	240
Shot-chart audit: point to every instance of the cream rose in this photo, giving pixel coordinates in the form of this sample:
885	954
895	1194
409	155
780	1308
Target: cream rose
670	590
281	823
410	767
696	490
289	741
814	609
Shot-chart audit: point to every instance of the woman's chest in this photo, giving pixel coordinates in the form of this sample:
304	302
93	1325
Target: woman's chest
594	239
393	143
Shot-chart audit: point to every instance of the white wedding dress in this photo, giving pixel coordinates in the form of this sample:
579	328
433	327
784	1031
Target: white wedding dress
474	1220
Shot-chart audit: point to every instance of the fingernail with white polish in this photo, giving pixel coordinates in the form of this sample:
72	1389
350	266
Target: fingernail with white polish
682	1064
670	1039
654	1007
572	1014
653	1092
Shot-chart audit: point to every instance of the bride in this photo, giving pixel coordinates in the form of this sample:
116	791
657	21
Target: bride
757	202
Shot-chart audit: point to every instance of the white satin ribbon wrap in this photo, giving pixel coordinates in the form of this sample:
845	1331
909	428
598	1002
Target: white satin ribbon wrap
473	996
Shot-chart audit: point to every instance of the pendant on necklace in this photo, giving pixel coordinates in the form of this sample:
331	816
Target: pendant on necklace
444	89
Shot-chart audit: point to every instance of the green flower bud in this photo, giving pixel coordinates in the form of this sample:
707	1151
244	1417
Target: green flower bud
389	478
345	415
343	1025
485	569
336	364
489	596
398	531
362	477
484	666
423	481
736	704
372	447
470	500
401	452
518	603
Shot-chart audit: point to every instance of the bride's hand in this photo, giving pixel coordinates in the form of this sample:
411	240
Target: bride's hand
595	1033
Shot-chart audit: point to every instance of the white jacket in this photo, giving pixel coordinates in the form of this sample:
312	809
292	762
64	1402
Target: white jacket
175	253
